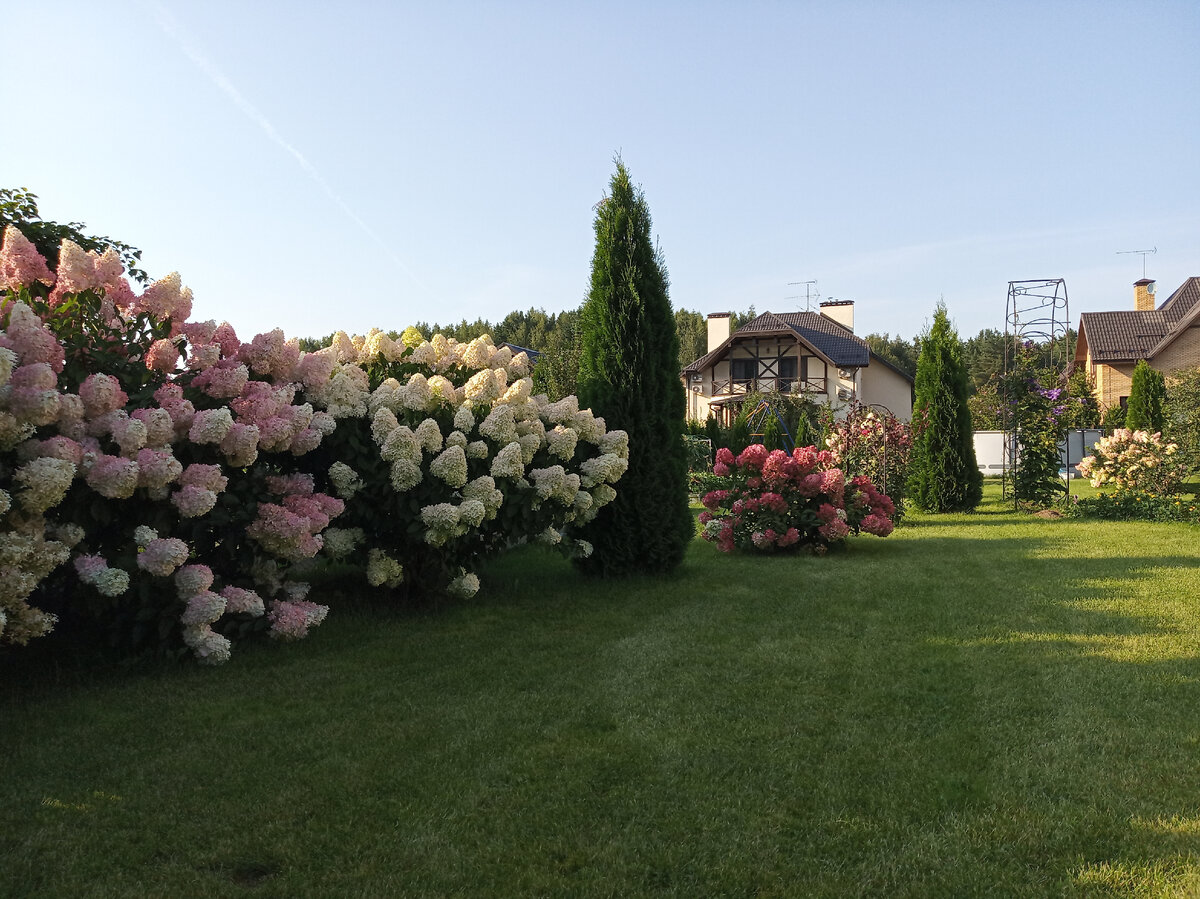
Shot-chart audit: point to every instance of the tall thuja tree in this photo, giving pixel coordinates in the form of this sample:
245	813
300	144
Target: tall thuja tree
629	374
1147	395
944	474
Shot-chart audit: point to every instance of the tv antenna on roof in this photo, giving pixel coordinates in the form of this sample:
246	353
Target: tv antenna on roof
1142	253
809	293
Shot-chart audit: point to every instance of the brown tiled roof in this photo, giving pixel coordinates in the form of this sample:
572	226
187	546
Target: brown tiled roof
1129	335
828	339
1182	301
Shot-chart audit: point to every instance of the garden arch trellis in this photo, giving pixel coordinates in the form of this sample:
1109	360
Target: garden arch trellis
1037	310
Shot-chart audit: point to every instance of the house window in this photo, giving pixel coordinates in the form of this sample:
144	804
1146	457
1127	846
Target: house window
742	371
1124	402
787	373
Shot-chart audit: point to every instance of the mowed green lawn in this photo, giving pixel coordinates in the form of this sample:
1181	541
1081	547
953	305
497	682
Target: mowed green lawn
989	704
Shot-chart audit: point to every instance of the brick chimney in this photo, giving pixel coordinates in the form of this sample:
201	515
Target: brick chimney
841	311
1143	295
718	329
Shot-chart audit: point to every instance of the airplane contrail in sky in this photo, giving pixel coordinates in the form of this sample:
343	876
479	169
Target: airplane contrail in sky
168	24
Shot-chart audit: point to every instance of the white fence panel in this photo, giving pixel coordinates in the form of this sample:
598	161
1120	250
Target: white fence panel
989	449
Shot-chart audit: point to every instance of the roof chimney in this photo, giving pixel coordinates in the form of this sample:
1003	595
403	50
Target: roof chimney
1143	295
841	311
718	329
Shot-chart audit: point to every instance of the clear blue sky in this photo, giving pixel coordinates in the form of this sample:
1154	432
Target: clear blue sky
316	166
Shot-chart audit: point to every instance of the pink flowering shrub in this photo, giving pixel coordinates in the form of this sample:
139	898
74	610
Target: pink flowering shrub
141	445
872	443
1135	461
193	479
775	501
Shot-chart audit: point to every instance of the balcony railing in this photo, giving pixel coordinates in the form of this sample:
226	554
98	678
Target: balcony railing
730	386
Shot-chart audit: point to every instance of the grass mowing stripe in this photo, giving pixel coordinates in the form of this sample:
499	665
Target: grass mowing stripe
983	704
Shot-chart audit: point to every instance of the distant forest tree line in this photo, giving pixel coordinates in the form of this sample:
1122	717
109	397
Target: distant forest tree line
556	337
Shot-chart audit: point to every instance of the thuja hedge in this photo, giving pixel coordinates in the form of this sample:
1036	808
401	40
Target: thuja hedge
166	483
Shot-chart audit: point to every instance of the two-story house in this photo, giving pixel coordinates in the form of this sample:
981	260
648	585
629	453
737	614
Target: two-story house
816	354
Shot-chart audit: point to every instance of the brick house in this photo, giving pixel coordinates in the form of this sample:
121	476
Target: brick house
1110	344
809	353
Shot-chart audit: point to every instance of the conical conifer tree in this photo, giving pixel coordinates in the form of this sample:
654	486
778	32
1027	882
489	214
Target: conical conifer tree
629	374
1147	394
944	474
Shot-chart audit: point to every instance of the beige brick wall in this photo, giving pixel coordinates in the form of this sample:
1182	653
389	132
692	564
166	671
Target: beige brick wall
1115	381
1112	383
1184	352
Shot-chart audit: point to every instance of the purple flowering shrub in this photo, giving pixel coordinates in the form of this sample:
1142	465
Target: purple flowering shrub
775	501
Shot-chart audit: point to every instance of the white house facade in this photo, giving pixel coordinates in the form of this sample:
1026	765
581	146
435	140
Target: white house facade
816	355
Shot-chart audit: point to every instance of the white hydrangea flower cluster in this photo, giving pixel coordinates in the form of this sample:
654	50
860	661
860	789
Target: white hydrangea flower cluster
26	557
43	482
345	480
450	466
442	522
341	542
383	570
94	571
464	586
345	394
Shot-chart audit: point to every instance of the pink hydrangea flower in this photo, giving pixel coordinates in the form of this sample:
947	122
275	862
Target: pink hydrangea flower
193	501
113	477
877	525
753	457
223	380
76	272
31	340
20	262
240	445
270	354
193	579
163	355
157	468
160	429
210	425
60	447
226	338
298	483
292	620
239	601
167	298
202	608
207	476
162	556
101	394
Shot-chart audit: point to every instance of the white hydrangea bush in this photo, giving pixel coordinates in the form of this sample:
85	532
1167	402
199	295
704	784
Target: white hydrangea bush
444	455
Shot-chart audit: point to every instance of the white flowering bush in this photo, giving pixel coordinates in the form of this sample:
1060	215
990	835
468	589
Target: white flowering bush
443	456
1136	461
